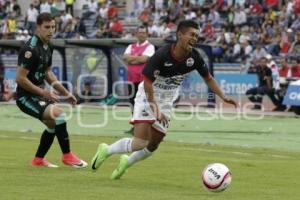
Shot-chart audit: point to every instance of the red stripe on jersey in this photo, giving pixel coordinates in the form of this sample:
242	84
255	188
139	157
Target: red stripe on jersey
173	54
207	77
146	79
142	121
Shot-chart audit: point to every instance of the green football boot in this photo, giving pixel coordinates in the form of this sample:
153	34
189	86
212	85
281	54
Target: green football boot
121	169
100	156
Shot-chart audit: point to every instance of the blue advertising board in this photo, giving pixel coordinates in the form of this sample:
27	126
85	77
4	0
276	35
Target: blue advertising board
230	83
292	96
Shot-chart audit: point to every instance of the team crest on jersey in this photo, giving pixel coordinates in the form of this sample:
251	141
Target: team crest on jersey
42	103
27	54
190	62
156	73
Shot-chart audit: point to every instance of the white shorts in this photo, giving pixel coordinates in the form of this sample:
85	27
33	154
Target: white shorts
142	112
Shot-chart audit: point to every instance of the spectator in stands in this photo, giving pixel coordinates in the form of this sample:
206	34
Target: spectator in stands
103	11
85	93
274	67
70	6
145	16
284	69
295	48
208	32
160	14
5	94
258	53
265	86
135	56
296	23
152	29
271	4
65	19
284	43
45	7
220	47
11	26
273	47
79	26
112	11
234	49
15	8
162	30
174	10
214	17
93	6
240	17
246	65
246	48
115	28
295	68
30	19
60	5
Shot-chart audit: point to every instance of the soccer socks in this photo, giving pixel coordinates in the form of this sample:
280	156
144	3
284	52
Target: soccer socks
62	133
121	146
139	155
45	142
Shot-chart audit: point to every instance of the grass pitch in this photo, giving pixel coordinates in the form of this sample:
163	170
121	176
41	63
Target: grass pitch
262	155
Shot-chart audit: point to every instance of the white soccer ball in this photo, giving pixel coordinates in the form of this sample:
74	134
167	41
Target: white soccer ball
216	177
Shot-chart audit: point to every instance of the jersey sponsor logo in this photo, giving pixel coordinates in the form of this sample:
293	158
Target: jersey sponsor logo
175	80
168	64
27	54
165	87
190	62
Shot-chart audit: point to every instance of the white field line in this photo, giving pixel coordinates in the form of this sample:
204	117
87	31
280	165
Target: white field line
236	152
184	148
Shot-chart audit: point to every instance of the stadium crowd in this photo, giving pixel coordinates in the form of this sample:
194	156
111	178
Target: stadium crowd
240	31
237	29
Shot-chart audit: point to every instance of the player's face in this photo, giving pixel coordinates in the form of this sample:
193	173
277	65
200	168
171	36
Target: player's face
189	38
46	30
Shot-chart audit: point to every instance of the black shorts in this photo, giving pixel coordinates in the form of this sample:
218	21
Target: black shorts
33	105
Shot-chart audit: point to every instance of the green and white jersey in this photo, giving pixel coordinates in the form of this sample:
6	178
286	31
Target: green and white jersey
35	57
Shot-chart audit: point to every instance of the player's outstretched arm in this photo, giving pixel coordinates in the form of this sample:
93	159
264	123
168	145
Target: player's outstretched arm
26	84
213	85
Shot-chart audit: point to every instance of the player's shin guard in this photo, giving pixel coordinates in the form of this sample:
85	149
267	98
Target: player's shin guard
45	142
62	133
138	156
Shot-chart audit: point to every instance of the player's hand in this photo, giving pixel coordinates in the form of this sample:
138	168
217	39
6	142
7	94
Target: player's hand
163	120
50	95
72	99
230	101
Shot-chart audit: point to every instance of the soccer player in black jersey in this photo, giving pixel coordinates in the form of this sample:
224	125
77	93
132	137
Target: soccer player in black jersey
34	67
163	74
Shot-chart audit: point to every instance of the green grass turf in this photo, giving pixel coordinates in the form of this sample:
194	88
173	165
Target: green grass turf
263	158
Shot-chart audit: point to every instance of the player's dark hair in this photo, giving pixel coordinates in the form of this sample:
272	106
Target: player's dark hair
44	17
142	27
185	24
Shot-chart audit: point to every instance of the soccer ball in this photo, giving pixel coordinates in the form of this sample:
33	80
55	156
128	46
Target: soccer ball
216	177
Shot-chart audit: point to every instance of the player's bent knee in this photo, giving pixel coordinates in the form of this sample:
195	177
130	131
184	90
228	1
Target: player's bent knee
152	147
60	119
139	144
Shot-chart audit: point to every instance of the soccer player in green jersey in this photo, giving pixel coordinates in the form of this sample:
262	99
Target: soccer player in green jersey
34	67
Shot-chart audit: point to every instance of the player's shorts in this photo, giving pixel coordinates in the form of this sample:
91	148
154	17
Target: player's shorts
142	112
33	106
